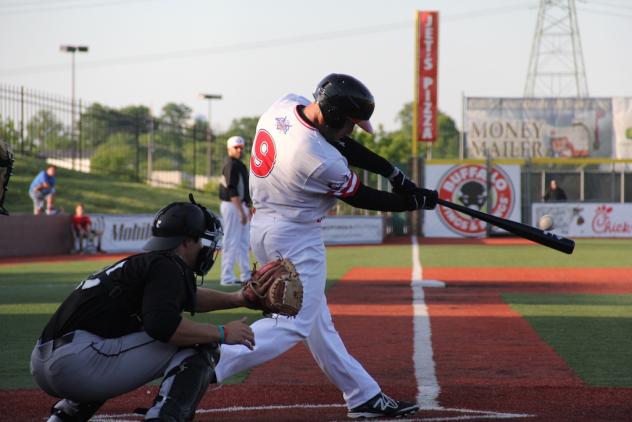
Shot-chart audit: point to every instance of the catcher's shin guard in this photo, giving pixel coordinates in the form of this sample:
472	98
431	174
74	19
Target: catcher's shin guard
185	382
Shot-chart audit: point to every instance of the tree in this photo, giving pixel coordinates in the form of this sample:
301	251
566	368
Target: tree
447	146
397	147
46	133
9	132
175	114
116	156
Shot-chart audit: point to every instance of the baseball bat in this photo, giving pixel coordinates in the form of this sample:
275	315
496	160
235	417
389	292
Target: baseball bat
542	237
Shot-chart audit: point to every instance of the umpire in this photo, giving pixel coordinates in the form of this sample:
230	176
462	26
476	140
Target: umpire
122	327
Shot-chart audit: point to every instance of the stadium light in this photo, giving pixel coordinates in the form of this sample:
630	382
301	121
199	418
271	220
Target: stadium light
73	49
209	151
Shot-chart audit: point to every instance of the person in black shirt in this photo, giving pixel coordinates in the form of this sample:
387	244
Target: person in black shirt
235	209
554	193
122	327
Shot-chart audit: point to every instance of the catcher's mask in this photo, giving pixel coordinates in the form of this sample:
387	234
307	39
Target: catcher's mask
341	97
180	220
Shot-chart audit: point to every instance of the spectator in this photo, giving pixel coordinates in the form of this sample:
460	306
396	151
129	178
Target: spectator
554	193
42	191
83	231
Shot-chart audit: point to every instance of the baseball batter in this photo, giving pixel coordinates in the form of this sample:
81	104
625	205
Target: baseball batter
299	168
122	326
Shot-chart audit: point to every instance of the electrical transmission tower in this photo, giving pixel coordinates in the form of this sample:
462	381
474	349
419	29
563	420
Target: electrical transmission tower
556	65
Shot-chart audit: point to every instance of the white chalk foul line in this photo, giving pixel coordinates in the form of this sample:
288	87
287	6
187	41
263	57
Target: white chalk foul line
427	385
464	414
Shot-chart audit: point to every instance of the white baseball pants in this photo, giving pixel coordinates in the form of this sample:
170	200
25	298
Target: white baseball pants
303	244
235	244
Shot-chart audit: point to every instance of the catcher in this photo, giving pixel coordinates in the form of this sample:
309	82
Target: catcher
122	327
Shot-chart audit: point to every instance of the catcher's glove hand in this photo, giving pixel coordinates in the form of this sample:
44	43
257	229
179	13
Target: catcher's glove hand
275	289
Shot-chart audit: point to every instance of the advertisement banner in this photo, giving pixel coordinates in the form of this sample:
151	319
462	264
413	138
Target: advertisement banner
581	219
622	116
427	65
353	230
466	184
123	233
129	233
539	127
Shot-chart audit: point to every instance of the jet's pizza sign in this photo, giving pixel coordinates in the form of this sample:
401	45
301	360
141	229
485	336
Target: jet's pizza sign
427	71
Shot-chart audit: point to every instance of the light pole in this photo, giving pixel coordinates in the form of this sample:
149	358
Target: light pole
73	49
209	150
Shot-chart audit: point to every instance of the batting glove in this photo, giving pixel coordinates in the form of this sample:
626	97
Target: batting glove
426	199
401	184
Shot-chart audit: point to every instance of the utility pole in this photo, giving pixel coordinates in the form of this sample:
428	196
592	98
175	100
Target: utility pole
209	150
73	49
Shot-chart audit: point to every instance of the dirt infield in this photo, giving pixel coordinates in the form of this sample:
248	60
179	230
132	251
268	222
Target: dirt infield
490	363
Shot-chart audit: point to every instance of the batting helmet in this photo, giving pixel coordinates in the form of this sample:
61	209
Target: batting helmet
341	97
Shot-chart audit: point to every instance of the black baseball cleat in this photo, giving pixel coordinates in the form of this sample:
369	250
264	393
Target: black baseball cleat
383	406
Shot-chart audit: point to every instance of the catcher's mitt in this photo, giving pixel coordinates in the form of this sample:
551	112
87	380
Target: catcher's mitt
275	289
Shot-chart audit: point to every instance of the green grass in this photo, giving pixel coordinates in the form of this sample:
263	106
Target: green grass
588	253
31	293
590	332
100	194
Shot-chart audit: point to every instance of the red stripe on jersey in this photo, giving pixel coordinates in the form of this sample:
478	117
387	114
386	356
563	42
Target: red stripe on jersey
305	123
353	187
349	188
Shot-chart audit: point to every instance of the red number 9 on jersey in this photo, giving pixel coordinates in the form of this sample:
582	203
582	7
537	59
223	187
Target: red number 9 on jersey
263	154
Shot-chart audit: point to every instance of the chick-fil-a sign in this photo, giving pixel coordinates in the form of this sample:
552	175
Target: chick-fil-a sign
581	219
603	222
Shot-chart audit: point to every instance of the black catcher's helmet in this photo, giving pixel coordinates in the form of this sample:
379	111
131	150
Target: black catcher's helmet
180	220
343	97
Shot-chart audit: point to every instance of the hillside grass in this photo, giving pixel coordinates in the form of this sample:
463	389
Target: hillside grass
100	194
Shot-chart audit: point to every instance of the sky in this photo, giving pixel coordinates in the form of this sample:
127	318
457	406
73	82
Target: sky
152	52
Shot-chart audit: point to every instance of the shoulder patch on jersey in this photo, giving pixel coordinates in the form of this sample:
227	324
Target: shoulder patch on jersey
335	186
282	124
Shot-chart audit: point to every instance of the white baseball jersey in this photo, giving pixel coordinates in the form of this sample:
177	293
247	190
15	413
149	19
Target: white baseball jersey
295	173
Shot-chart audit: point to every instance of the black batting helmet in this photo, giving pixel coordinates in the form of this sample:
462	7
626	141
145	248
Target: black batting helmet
341	97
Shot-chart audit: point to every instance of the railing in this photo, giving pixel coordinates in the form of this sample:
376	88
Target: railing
93	138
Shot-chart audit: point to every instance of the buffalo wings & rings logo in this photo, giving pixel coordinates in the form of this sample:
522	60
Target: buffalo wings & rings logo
466	185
